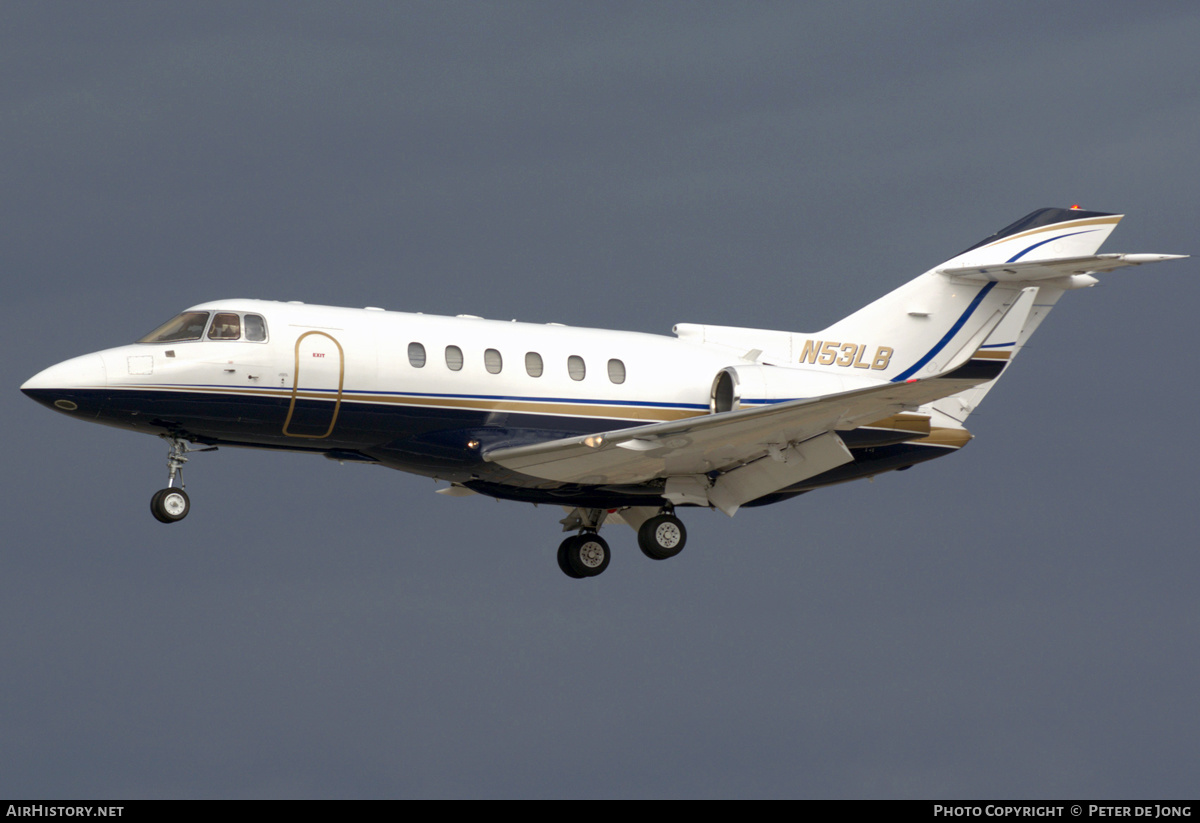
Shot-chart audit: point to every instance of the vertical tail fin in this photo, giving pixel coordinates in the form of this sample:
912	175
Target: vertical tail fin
939	318
927	321
975	310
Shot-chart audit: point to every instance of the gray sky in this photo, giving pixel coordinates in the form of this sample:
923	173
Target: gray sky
1018	620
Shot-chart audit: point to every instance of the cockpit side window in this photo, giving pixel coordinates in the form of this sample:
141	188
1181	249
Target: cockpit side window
256	328
187	326
225	326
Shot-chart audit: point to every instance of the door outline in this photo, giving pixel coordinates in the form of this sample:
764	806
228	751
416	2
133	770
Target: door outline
337	404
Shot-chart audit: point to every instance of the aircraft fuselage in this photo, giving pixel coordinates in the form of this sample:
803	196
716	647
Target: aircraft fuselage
613	426
431	395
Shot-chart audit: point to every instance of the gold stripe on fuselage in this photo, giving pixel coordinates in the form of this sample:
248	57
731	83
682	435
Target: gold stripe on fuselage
614	411
904	421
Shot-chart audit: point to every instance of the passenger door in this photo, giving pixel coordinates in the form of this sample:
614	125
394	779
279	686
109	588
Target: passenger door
317	381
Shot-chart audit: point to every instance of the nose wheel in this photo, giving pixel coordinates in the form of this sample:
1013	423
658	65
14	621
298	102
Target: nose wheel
170	505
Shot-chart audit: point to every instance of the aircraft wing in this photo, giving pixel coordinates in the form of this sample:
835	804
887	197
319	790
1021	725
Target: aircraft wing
756	451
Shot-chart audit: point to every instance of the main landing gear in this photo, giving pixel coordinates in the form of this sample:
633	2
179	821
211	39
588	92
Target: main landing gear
586	554
170	505
662	536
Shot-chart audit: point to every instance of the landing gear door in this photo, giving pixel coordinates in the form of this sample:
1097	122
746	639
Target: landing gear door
318	377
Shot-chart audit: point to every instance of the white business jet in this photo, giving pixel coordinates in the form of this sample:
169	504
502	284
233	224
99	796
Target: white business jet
613	426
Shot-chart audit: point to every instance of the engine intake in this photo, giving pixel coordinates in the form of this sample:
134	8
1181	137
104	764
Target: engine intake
736	386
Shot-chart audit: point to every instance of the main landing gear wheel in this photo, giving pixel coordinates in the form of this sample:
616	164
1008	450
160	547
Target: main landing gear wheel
562	559
170	505
584	555
662	536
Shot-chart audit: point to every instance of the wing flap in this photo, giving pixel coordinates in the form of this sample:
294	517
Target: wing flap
779	469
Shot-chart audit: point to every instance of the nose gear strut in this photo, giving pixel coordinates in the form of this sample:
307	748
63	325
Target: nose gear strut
170	505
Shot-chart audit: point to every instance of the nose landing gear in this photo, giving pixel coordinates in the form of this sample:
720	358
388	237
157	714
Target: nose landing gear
170	505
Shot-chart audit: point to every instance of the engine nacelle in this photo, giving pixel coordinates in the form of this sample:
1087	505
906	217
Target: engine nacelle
735	387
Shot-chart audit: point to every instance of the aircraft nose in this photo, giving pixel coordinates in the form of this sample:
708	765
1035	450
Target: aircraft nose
69	385
86	372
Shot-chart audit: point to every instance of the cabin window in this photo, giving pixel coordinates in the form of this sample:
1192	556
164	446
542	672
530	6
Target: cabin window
533	364
255	327
576	367
187	326
454	358
416	355
616	371
492	361
225	326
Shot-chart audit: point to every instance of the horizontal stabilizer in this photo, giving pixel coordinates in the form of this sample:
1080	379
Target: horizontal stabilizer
1035	270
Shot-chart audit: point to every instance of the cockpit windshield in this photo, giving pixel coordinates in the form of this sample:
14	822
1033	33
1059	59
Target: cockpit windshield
225	325
187	326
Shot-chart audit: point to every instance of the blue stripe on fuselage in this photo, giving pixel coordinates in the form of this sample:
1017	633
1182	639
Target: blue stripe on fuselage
580	401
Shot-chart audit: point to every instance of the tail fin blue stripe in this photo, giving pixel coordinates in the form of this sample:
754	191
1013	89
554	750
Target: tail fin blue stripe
1021	254
941	344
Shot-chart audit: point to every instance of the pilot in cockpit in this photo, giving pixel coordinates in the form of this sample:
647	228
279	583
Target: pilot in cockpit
225	326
